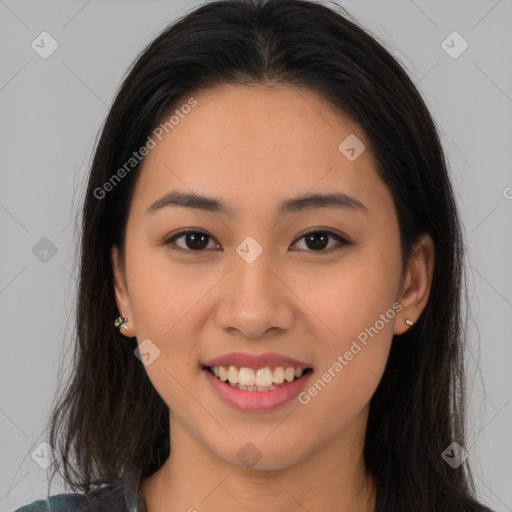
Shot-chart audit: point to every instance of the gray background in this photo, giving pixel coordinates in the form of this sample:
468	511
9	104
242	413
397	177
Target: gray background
53	108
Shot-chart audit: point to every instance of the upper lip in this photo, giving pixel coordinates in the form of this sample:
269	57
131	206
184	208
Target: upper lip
255	361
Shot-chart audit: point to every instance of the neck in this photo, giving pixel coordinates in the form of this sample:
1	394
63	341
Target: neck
194	479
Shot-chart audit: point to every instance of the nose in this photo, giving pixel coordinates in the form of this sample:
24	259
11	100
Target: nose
254	299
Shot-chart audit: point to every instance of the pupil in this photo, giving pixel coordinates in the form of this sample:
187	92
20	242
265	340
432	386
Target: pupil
314	237
195	238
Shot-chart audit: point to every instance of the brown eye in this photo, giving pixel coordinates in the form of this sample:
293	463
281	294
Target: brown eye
318	240
193	240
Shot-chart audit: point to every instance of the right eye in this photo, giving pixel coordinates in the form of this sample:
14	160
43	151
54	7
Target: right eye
194	240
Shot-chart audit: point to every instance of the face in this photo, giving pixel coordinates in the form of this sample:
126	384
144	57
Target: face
319	284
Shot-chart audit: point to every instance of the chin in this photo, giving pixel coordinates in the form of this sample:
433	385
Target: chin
262	454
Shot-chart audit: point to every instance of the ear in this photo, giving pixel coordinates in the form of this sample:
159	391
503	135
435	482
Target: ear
417	283
121	293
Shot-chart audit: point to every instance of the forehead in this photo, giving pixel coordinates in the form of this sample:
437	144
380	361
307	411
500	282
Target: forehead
258	143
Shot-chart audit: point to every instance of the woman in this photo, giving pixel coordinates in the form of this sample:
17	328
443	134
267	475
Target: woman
269	310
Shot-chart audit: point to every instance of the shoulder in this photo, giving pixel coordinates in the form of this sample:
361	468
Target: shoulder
110	498
58	503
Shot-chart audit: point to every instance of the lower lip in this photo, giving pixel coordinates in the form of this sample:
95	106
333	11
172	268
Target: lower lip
257	401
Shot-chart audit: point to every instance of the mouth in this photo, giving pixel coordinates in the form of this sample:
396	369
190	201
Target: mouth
264	379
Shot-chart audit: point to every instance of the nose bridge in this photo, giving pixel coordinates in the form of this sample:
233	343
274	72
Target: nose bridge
255	299
253	278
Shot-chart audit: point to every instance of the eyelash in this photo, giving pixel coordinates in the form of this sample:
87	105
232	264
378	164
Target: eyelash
169	241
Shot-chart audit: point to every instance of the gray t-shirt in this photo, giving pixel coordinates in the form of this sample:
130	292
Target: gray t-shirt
114	497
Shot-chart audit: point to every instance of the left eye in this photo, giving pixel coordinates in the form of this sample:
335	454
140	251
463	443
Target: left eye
318	240
196	241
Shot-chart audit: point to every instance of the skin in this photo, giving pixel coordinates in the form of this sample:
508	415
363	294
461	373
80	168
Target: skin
252	147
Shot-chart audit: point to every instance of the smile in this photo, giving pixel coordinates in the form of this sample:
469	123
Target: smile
261	379
254	397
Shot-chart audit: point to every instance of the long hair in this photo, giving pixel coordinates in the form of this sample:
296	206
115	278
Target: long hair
110	423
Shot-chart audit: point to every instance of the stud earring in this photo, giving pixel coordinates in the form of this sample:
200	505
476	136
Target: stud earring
120	321
409	322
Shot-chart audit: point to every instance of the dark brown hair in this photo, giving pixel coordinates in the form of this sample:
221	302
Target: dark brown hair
110	423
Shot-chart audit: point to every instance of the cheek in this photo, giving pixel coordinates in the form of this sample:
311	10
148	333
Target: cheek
350	298
163	293
164	301
353	359
356	304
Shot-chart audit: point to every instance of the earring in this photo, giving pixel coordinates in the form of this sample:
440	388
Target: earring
409	322
120	321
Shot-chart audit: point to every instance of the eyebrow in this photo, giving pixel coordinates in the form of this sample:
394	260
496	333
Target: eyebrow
295	204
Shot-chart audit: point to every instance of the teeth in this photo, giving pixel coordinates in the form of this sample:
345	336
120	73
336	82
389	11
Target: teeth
233	375
262	379
279	375
253	388
245	376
